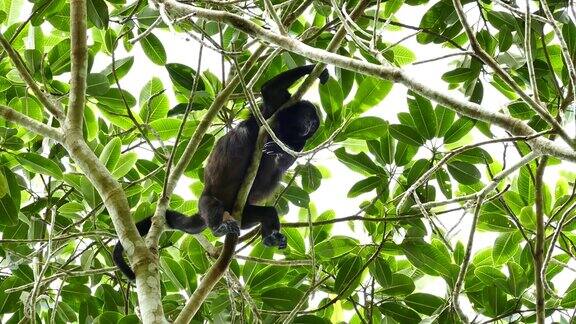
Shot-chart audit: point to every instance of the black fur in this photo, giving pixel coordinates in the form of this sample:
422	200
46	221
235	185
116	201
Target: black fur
229	160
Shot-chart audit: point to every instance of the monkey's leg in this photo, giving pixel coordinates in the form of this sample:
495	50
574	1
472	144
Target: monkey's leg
213	212
268	217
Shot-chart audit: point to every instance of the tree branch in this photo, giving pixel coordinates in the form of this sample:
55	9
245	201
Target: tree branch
540	239
30	124
79	58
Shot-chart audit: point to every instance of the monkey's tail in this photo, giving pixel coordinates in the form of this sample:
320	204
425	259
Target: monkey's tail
174	220
121	263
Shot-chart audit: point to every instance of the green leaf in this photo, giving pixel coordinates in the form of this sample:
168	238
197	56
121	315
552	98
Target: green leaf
423	303
406	134
427	258
526	187
458	130
9	303
402	285
268	276
366	128
126	163
281	298
404	153
123	66
444	182
505	246
349	276
154	103
111	153
399	312
182	76
381	271
364	186
444	118
29	106
463	172
97	84
59	58
153	49
517	279
569	300
422	115
97	11
175	272
167	128
520	110
370	92
335	247
295	240
382	149
331	98
459	75
8	211
35	163
311	177
297	196
403	55
357	162
71	207
117	98
491	276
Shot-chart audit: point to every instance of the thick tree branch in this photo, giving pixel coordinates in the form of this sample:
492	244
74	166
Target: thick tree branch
30	124
23	70
79	58
540	239
466	108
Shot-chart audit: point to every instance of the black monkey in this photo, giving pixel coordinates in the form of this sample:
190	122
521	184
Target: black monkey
229	160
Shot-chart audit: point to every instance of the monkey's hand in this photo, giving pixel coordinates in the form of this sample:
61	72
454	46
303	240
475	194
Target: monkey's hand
272	149
324	76
275	239
229	226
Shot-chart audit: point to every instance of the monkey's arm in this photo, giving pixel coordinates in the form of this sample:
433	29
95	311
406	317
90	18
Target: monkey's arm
275	91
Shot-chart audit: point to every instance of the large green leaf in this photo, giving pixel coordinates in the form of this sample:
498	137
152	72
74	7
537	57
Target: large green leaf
422	115
505	246
463	172
98	13
370	92
357	162
366	128
406	134
36	163
458	130
331	98
153	49
349	275
281	298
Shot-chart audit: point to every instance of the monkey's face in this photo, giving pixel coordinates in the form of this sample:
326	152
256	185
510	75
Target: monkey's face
299	121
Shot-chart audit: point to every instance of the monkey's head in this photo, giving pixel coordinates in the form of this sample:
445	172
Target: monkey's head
299	121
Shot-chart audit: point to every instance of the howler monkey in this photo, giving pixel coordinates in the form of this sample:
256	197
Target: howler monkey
229	160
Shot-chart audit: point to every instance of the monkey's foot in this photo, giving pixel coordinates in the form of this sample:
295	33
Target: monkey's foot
227	227
275	239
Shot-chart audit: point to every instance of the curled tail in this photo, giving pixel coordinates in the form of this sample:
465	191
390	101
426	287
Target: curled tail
174	220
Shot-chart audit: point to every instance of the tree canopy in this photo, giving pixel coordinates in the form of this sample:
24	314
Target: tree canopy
464	191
